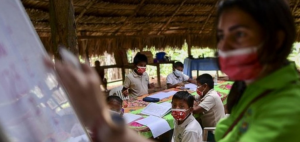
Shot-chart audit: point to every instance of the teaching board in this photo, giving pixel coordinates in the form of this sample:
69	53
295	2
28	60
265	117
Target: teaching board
33	106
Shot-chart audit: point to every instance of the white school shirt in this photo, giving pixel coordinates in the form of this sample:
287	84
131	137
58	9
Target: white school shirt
213	105
138	84
173	79
189	131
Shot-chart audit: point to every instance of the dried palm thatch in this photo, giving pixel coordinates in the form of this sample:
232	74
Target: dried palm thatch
110	25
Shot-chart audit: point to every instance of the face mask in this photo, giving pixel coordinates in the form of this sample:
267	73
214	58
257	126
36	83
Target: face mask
141	70
179	114
240	64
200	93
177	72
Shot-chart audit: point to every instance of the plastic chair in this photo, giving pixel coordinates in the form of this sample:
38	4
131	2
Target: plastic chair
208	134
118	92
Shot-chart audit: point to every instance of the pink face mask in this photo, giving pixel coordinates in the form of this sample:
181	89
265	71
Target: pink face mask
240	64
141	70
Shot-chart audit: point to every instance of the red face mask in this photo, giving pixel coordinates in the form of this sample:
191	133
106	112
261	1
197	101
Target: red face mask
179	114
240	64
141	70
200	93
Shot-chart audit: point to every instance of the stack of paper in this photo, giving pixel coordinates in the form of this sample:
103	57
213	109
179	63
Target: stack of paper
192	87
131	117
158	126
158	110
163	95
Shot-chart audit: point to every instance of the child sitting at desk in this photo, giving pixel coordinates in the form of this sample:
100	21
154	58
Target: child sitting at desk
115	104
186	127
138	80
209	103
176	78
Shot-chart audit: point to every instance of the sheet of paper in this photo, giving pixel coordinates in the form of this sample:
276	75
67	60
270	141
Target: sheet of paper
157	125
82	138
156	110
192	87
30	96
163	95
131	117
168	104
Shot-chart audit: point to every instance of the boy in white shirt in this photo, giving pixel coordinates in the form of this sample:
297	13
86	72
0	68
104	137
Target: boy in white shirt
209	104
186	127
137	82
176	78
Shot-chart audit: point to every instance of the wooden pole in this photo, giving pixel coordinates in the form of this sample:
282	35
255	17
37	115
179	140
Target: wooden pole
189	46
62	23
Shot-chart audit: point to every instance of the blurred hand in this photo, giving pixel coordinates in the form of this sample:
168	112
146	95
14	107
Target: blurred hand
180	84
83	87
196	103
151	85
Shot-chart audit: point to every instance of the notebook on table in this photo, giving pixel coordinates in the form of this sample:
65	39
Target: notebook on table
158	110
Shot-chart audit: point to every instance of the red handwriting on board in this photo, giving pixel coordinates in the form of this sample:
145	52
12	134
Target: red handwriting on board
28	67
2	50
13	84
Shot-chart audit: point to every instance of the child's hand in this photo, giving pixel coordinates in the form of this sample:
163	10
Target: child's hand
180	84
151	85
196	103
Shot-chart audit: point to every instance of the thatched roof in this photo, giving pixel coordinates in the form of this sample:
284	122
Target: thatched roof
110	24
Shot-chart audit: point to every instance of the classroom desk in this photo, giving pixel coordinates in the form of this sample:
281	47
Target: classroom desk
136	106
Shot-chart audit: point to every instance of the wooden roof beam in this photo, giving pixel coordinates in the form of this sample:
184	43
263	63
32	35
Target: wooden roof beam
170	19
295	6
208	17
85	9
130	17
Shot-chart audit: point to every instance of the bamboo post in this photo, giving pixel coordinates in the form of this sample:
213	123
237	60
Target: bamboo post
189	45
62	23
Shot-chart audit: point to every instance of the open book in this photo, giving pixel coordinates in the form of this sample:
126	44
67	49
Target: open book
163	95
158	110
131	117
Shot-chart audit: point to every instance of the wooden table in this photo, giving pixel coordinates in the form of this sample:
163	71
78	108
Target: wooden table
136	106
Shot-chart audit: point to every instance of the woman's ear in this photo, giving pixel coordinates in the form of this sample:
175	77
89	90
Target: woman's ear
280	39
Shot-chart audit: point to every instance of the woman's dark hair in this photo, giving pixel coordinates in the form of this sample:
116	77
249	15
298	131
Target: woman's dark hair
140	58
206	78
273	16
186	96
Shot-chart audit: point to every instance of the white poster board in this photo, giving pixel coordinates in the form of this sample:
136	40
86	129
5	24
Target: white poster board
33	106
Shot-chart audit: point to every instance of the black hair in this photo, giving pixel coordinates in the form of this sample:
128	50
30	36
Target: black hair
273	16
140	58
206	78
117	98
97	62
186	96
178	64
